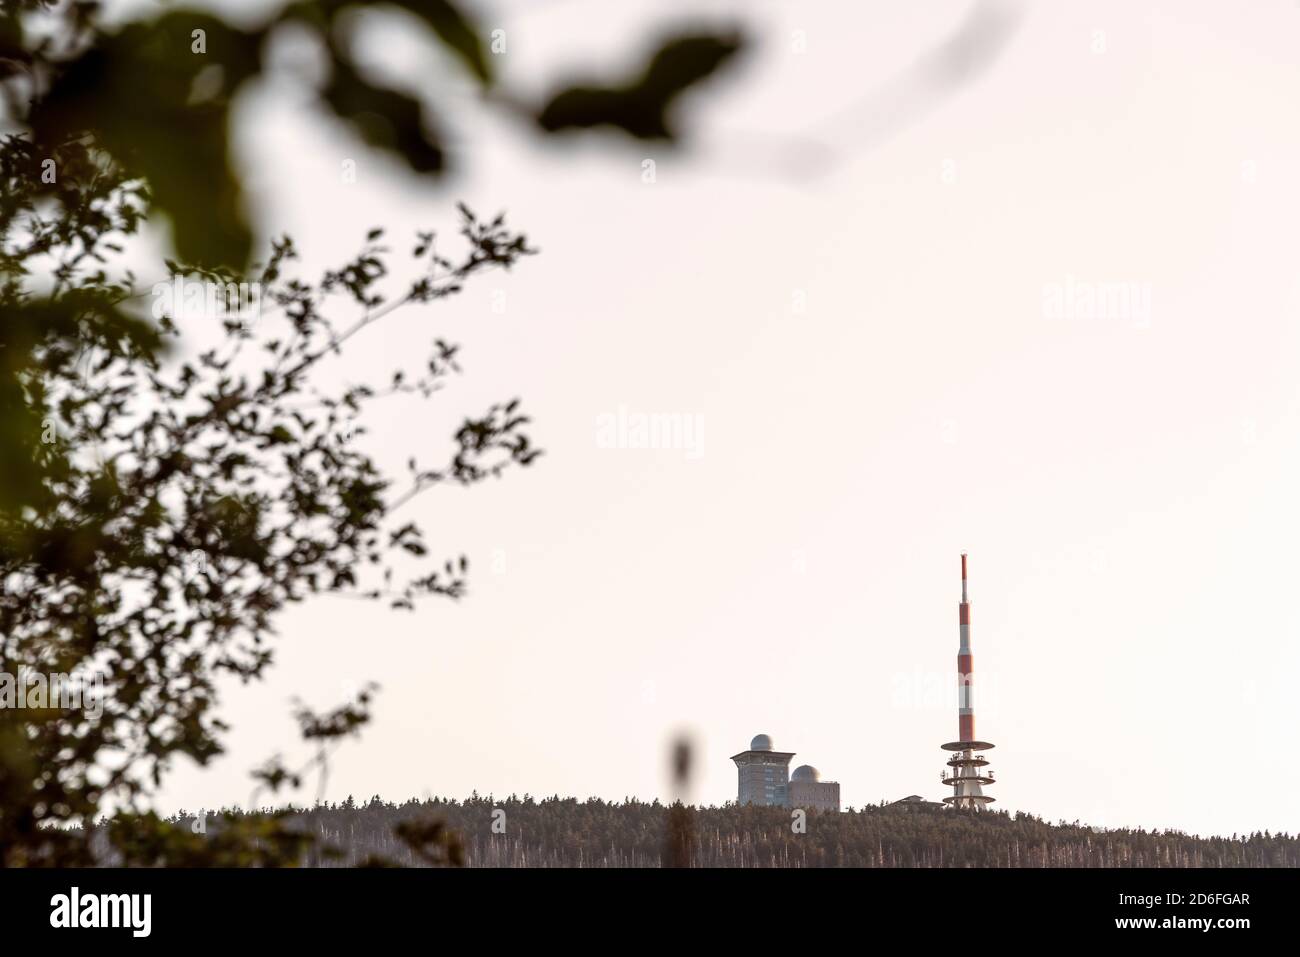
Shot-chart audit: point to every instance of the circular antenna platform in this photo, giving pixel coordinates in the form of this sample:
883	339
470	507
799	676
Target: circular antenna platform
955	779
966	746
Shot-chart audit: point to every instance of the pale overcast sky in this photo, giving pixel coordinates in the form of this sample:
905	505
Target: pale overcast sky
885	359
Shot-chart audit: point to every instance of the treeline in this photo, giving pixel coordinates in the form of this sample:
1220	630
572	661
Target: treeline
565	832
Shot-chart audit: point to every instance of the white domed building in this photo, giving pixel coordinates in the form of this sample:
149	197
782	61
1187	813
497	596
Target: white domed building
764	778
809	791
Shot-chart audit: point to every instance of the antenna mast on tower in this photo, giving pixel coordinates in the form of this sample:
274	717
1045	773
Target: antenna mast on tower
967	778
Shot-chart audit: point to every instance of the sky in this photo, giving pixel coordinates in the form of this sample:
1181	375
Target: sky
1045	316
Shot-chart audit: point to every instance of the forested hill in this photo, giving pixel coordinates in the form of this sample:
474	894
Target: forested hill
564	832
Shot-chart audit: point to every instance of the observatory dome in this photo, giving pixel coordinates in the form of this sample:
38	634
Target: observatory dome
761	742
806	772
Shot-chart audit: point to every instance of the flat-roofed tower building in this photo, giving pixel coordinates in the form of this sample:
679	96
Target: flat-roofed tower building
764	774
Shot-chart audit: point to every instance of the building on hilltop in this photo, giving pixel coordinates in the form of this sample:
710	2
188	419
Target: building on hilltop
808	790
764	773
764	779
916	801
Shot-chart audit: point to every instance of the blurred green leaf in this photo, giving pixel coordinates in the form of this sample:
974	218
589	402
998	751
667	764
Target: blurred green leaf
384	118
133	91
641	108
455	31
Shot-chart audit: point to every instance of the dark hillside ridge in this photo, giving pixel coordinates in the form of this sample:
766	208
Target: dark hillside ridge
565	832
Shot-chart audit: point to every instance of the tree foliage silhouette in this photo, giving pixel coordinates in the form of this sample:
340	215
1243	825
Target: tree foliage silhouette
156	511
171	79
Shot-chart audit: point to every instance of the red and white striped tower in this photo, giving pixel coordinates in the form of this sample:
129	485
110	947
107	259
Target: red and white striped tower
967	778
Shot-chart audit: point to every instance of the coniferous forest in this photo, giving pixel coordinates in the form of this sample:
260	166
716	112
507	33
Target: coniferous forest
566	832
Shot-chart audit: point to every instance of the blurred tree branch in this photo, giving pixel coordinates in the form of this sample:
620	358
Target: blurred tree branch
156	514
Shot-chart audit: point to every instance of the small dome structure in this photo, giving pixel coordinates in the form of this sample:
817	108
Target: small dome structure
806	772
761	742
